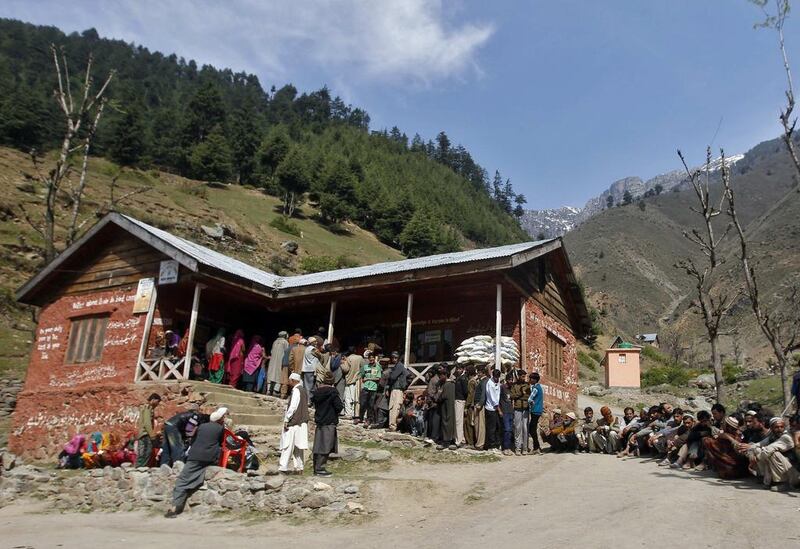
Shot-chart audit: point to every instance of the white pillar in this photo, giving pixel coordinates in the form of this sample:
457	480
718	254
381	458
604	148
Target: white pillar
331	320
192	326
148	324
407	350
498	328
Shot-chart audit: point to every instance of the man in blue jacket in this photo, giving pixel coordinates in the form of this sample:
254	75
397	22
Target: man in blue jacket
536	402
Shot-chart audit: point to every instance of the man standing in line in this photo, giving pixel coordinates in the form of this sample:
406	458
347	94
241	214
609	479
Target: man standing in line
460	382
296	353
469	420
327	406
351	368
275	367
312	360
536	403
398	382
146	427
492	411
370	374
203	452
447	410
520	391
294	438
480	401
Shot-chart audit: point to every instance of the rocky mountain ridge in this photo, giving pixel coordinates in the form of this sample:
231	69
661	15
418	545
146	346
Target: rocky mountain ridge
556	222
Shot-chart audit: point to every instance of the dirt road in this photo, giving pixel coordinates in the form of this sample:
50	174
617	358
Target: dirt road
544	501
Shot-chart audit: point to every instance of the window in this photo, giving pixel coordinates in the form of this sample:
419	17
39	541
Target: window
555	357
621	358
86	337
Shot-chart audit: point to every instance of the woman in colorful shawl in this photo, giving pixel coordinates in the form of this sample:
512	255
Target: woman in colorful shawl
71	456
184	344
721	451
276	355
214	354
235	359
252	363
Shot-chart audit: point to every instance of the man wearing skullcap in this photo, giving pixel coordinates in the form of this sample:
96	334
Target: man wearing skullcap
721	454
203	452
327	407
771	455
294	439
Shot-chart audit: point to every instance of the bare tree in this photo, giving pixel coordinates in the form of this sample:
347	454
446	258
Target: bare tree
712	301
672	343
781	329
81	120
788	121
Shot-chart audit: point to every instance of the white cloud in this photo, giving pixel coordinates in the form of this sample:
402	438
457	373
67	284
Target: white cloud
384	40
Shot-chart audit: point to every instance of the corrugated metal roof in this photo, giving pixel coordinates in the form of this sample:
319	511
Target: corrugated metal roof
238	268
408	265
211	258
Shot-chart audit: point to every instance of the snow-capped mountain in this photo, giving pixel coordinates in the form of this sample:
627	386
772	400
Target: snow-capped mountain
550	223
557	222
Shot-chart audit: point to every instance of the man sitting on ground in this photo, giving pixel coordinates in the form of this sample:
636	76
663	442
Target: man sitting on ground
771	456
587	428
605	437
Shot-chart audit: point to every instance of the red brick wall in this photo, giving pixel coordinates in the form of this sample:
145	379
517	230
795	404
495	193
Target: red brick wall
46	419
58	397
561	393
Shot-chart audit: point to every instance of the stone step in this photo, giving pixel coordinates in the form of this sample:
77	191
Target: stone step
243	409
257	419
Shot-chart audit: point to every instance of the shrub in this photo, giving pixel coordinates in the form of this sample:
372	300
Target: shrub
669	374
587	361
596	356
285	225
194	189
730	371
654	354
326	263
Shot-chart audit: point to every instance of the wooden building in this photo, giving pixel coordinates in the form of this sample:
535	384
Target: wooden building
109	297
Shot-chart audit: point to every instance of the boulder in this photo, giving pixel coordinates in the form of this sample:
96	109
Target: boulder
704	381
321	486
315	500
296	495
354	507
379	455
290	246
352	454
216	232
274	483
350	489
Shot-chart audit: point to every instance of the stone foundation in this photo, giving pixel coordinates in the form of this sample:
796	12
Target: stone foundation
127	488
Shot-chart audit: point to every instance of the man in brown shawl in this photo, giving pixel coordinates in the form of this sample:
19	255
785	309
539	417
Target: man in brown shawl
447	409
721	451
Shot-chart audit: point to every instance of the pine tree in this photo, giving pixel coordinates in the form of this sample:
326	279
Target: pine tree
211	160
419	237
293	179
244	141
520	202
204	112
627	198
443	148
273	150
126	144
609	202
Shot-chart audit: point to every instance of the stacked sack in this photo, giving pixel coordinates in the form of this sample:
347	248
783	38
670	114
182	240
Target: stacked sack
479	350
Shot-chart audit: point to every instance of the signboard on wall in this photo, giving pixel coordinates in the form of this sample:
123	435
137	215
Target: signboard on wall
168	272
144	293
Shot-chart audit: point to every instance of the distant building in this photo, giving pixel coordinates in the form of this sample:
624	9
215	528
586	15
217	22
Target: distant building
648	339
621	364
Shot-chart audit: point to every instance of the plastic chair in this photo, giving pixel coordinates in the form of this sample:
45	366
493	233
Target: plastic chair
227	452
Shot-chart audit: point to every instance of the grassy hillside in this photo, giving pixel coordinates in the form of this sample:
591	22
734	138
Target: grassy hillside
625	256
173	203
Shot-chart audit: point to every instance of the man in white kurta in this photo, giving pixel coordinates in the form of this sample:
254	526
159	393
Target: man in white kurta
277	353
294	438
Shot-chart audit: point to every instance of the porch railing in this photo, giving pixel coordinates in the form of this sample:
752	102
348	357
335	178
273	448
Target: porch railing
160	369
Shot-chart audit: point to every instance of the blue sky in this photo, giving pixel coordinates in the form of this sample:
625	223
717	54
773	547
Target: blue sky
563	97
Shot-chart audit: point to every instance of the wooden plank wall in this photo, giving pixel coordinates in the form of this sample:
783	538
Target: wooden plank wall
120	263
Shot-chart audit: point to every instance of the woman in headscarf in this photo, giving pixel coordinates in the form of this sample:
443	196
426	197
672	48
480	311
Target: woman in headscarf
235	359
276	355
215	349
252	363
